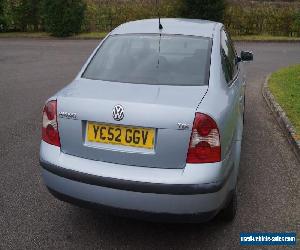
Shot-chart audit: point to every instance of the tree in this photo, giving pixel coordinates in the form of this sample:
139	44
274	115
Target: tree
28	14
3	19
296	24
63	17
203	9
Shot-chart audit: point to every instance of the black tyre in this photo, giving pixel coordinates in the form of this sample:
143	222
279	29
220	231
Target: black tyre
229	212
244	110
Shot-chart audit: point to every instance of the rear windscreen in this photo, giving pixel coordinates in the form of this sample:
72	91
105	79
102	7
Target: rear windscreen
152	59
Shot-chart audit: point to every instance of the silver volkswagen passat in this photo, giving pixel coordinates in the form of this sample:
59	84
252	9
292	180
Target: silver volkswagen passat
152	125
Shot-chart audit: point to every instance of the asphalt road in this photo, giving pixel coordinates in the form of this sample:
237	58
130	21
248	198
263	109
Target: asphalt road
33	70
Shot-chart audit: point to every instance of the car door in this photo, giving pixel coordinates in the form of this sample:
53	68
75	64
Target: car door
235	89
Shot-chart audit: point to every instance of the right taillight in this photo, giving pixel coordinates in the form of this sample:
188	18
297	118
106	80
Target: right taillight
50	128
205	144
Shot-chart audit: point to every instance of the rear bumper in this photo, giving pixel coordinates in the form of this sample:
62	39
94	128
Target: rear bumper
138	214
136	186
148	206
159	217
169	199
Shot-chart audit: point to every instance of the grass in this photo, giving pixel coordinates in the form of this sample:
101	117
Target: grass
100	35
285	86
90	35
24	35
266	38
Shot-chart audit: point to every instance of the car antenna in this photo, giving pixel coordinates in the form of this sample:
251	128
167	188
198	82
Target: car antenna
159	22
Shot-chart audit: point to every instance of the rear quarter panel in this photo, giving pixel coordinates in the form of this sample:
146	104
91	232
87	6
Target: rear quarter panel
221	101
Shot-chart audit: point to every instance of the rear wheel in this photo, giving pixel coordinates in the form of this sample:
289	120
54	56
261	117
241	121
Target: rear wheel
229	212
244	110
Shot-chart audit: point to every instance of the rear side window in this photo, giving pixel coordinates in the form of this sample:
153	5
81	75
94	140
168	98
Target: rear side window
152	59
228	55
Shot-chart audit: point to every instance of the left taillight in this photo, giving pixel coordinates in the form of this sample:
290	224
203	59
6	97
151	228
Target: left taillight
50	132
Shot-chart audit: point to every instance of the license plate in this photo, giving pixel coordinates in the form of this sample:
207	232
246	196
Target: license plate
121	135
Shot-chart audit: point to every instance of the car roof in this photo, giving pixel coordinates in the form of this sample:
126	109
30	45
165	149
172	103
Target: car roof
178	26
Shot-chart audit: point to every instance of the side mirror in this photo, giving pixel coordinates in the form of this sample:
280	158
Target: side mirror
246	56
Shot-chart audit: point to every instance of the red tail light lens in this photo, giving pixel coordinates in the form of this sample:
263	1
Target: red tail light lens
205	144
50	128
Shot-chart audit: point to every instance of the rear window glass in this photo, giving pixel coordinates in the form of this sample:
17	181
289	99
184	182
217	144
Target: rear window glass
152	59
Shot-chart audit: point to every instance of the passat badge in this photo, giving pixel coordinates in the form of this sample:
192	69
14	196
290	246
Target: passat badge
67	115
118	113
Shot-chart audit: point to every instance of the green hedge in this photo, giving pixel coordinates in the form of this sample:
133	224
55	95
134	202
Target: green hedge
204	9
279	18
261	18
63	17
20	15
103	15
4	21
